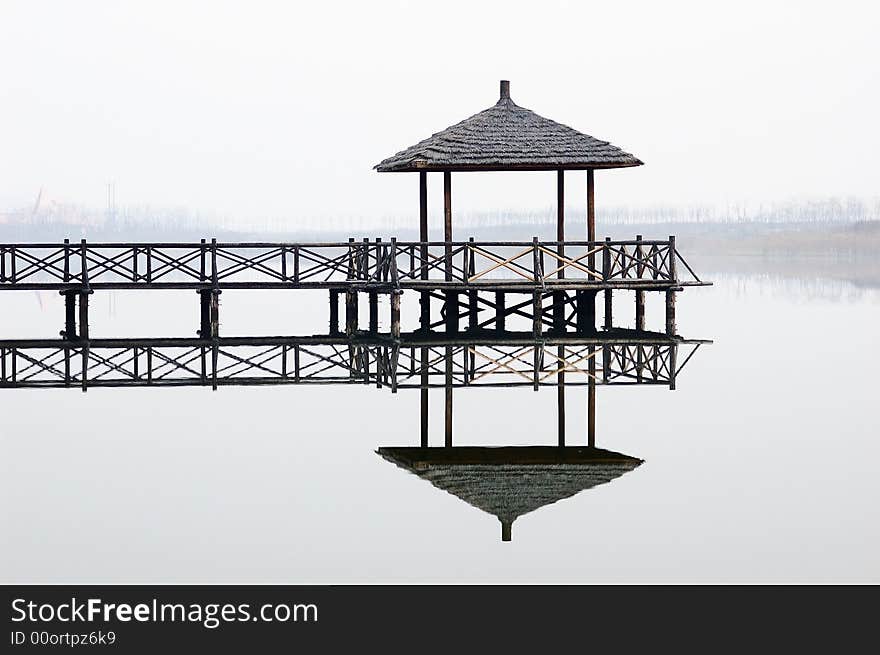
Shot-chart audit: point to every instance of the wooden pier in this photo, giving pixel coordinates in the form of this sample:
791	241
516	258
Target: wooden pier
478	284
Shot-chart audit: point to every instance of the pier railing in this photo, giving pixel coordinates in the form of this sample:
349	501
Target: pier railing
258	361
466	264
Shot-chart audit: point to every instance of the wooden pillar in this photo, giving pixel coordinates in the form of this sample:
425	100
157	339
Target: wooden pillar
585	305
609	310
84	315
334	311
395	314
451	297
537	309
69	332
670	312
424	403
351	312
425	299
374	311
559	296
473	297
448	412
640	309
560	396
591	399
591	209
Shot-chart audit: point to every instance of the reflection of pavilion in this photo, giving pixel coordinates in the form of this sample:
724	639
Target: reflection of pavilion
508	482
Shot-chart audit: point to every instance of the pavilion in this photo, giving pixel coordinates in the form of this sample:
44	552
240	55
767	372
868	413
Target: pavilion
507	137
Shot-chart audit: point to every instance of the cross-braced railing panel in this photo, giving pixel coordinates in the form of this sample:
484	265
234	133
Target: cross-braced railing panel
392	263
195	362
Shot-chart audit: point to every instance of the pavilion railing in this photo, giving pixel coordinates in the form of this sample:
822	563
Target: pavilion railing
398	264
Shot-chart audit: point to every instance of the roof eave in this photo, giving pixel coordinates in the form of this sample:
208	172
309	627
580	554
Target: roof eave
415	167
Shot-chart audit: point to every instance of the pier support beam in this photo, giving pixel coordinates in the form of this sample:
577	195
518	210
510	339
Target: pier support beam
640	309
84	315
448	413
69	331
209	313
334	311
351	312
670	312
609	309
425	300
424	399
395	314
374	311
560	396
585	305
499	311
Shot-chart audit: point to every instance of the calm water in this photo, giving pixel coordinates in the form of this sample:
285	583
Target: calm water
761	466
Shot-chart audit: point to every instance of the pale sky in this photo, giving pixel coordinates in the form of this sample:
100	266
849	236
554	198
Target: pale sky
258	110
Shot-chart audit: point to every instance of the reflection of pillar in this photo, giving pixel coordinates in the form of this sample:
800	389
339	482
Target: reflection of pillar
424	403
448	412
591	400
560	396
506	530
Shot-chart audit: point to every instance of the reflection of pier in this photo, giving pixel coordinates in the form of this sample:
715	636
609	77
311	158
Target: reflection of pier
413	361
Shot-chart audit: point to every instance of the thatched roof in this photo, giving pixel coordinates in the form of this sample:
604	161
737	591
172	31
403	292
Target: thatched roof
508	137
511	481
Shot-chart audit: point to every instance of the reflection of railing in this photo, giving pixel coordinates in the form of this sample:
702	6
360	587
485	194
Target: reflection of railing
381	263
336	360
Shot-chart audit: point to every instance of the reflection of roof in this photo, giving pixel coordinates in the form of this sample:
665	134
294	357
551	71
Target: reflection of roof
511	481
508	137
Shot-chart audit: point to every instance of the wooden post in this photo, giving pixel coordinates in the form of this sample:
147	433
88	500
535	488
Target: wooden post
204	330
424	403
591	399
670	312
591	209
448	412
499	311
334	311
395	314
559	296
606	276
451	296
425	300
351	312
640	309
69	315
560	396
374	311
473	298
84	315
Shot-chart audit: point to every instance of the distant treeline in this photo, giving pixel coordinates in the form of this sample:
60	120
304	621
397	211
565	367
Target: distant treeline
826	210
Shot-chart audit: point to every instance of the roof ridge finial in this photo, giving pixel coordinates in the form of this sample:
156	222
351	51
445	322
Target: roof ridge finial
505	91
